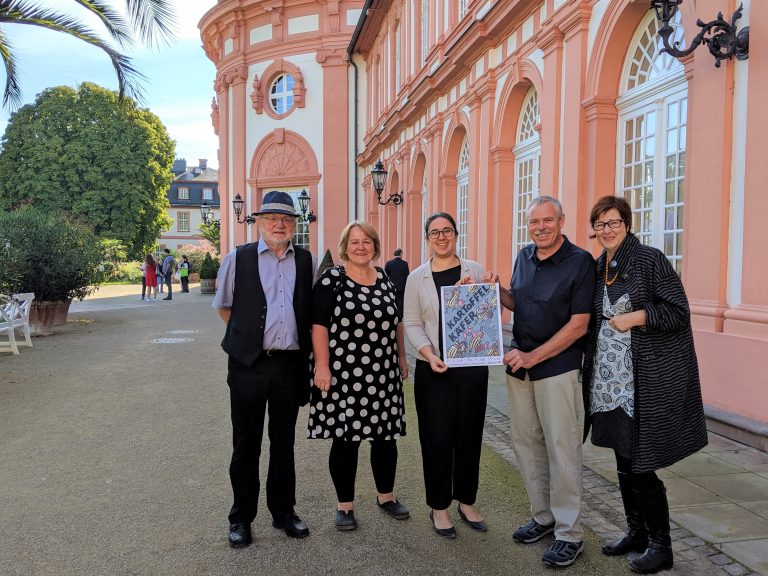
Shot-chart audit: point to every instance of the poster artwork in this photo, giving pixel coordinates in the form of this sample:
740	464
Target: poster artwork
472	325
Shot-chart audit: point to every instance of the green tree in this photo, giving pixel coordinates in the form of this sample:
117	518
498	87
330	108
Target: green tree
212	233
81	151
147	20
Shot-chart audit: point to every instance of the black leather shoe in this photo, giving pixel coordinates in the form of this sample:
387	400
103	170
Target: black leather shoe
449	533
345	520
394	509
239	534
168	298
292	525
479	526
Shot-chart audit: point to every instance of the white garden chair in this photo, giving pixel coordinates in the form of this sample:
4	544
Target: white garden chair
15	316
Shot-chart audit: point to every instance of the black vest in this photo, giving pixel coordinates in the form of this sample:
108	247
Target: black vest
244	338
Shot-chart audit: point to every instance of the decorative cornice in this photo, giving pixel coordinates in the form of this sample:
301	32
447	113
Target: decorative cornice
332	57
599	108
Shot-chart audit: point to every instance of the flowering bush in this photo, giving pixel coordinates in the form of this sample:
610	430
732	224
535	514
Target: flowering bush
195	253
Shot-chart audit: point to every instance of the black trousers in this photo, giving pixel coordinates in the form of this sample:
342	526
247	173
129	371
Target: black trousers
143	287
270	387
184	283
342	462
451	413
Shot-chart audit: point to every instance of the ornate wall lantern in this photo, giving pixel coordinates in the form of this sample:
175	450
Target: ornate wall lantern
379	177
722	38
304	199
205	212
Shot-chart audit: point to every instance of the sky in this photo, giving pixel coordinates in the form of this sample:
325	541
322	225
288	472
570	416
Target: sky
178	87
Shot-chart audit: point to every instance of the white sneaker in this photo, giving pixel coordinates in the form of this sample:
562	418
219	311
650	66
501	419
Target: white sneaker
146	299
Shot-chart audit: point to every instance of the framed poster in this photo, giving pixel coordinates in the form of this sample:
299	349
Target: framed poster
472	325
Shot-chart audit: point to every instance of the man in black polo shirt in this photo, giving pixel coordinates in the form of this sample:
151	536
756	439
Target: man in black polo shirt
551	295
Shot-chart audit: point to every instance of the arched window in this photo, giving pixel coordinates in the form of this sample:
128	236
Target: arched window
462	198
527	152
653	107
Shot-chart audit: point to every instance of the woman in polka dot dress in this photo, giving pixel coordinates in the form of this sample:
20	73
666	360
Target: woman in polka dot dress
360	362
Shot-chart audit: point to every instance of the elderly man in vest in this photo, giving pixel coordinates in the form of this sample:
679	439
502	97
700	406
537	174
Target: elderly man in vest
264	297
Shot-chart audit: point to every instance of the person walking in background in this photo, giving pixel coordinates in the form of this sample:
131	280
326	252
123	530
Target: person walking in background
551	295
397	270
184	273
641	381
450	402
150	269
143	268
159	274
264	297
360	362
169	267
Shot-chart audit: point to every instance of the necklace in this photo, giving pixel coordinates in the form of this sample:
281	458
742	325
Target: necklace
615	276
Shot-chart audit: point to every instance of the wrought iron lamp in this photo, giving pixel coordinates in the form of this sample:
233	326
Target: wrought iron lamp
304	199
723	39
205	212
237	204
379	177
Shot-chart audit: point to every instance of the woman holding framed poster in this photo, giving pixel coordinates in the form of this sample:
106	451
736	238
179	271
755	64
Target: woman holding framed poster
450	403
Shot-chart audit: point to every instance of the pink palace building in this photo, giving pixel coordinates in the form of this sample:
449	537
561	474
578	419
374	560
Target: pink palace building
476	106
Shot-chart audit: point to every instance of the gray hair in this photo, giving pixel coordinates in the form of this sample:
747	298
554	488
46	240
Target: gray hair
544	200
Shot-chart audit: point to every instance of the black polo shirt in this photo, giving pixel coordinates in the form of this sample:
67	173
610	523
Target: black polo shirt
547	293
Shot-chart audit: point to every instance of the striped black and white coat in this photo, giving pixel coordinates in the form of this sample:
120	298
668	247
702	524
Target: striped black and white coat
669	416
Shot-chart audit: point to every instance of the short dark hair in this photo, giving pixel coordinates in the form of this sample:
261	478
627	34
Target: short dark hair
607	203
167	250
434	217
398	252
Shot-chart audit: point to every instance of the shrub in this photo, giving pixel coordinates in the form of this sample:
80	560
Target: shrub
210	267
325	264
57	257
127	273
195	253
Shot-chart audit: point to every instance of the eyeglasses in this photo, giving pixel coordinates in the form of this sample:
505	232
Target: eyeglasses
612	224
445	233
272	220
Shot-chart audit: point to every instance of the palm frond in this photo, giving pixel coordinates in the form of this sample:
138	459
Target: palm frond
153	20
117	26
12	91
22	12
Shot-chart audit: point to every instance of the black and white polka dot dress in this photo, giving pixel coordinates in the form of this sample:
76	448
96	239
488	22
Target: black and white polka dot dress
365	401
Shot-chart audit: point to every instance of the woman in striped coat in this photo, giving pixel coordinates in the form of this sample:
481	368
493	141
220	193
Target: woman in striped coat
641	380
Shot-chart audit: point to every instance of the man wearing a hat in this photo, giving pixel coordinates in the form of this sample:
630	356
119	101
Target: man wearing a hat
264	297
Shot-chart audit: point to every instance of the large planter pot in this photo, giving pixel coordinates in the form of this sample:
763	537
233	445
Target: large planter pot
44	315
207	285
194	277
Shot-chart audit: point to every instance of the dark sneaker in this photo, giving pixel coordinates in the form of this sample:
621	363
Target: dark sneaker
394	509
345	520
532	532
563	553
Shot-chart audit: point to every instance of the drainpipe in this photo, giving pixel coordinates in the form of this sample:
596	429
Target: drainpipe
354	131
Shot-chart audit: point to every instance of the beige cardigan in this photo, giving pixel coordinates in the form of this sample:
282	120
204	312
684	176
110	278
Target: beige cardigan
421	311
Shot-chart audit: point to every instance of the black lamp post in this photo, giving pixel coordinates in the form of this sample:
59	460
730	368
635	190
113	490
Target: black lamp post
205	212
237	204
304	199
724	42
379	177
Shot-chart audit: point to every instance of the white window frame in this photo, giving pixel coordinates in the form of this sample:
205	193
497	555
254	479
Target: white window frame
301	235
642	161
424	22
281	97
182	221
183	194
527	182
207	193
462	199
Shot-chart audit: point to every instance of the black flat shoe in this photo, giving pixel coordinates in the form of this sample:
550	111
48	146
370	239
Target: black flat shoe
345	520
449	533
239	535
479	526
292	525
394	509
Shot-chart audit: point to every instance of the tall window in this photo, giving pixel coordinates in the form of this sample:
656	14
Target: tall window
281	94
463	8
183	193
462	198
182	221
301	236
423	215
424	21
527	152
397	59
653	108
